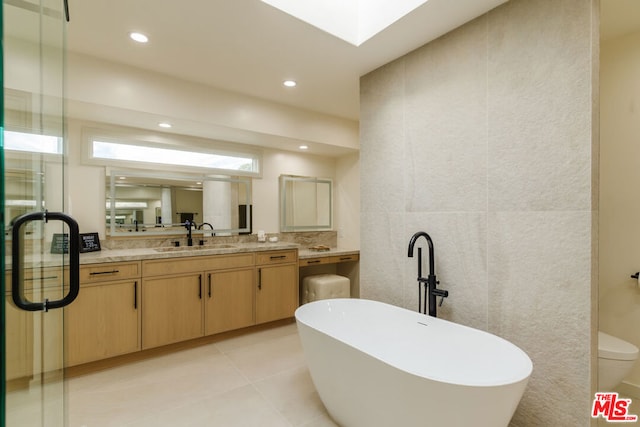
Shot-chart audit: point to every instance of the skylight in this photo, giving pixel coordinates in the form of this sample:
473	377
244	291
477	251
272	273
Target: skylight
354	21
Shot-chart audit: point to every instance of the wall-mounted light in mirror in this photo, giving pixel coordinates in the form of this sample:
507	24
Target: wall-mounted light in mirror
306	203
142	203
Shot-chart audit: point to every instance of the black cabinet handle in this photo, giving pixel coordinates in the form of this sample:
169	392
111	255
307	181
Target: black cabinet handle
200	286
97	273
31	279
260	279
209	285
17	288
66	10
135	295
274	257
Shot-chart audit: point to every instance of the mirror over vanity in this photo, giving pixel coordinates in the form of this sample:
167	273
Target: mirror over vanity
146	203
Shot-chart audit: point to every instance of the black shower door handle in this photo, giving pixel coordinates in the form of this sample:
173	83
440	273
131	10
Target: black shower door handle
17	285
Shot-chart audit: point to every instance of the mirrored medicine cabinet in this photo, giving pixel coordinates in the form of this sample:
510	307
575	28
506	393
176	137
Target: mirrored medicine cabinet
306	203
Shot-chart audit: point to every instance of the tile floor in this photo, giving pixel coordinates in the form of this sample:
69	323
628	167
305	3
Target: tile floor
259	379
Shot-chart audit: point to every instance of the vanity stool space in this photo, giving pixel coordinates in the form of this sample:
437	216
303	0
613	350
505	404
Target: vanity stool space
325	286
330	274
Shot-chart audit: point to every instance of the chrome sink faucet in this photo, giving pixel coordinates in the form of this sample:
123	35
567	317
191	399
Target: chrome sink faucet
430	282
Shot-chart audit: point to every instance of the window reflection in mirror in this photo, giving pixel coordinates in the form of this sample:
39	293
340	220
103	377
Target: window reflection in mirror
26	175
305	203
142	203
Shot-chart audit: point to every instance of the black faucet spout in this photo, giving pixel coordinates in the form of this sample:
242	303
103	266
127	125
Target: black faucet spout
412	244
201	227
188	225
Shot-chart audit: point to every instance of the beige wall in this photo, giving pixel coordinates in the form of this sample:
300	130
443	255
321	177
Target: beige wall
483	139
118	95
619	295
87	185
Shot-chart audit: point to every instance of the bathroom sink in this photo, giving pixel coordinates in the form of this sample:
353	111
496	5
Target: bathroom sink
194	248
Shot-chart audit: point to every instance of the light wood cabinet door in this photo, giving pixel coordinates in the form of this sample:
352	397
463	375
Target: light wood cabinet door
277	292
172	309
103	322
228	300
19	341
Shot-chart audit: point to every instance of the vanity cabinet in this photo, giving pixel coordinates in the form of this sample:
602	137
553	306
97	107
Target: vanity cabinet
19	341
104	321
277	287
172	309
21	326
229	300
130	306
190	297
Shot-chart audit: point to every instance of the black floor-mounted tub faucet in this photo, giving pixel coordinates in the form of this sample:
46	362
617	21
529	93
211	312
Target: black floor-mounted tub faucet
430	282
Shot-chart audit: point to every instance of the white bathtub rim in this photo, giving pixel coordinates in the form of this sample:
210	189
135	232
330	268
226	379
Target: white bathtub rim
520	373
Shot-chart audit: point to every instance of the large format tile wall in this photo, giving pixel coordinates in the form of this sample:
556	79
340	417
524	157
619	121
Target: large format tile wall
485	139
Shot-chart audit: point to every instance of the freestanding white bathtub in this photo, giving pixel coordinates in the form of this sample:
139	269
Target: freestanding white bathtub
375	364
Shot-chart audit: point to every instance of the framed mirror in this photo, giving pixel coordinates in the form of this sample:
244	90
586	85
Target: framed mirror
140	203
306	203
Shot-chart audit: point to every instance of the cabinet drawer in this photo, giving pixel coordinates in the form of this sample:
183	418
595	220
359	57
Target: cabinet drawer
335	259
315	261
110	271
276	257
344	258
38	278
221	262
163	267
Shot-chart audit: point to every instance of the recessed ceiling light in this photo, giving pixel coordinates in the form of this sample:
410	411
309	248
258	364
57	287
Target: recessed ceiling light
304	147
139	37
290	83
165	125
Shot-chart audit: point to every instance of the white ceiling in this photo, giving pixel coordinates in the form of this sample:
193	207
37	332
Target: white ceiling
249	47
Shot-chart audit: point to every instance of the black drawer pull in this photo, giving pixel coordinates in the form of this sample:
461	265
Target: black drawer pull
273	257
96	273
314	261
40	278
347	258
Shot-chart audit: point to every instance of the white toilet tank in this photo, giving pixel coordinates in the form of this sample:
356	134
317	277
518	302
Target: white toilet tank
615	360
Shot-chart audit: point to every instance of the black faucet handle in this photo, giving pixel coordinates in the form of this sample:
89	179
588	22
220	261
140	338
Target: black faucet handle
440	293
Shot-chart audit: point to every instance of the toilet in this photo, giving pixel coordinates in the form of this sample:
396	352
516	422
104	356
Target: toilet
615	360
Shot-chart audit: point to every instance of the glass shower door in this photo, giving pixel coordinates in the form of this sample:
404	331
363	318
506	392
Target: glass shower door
38	260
